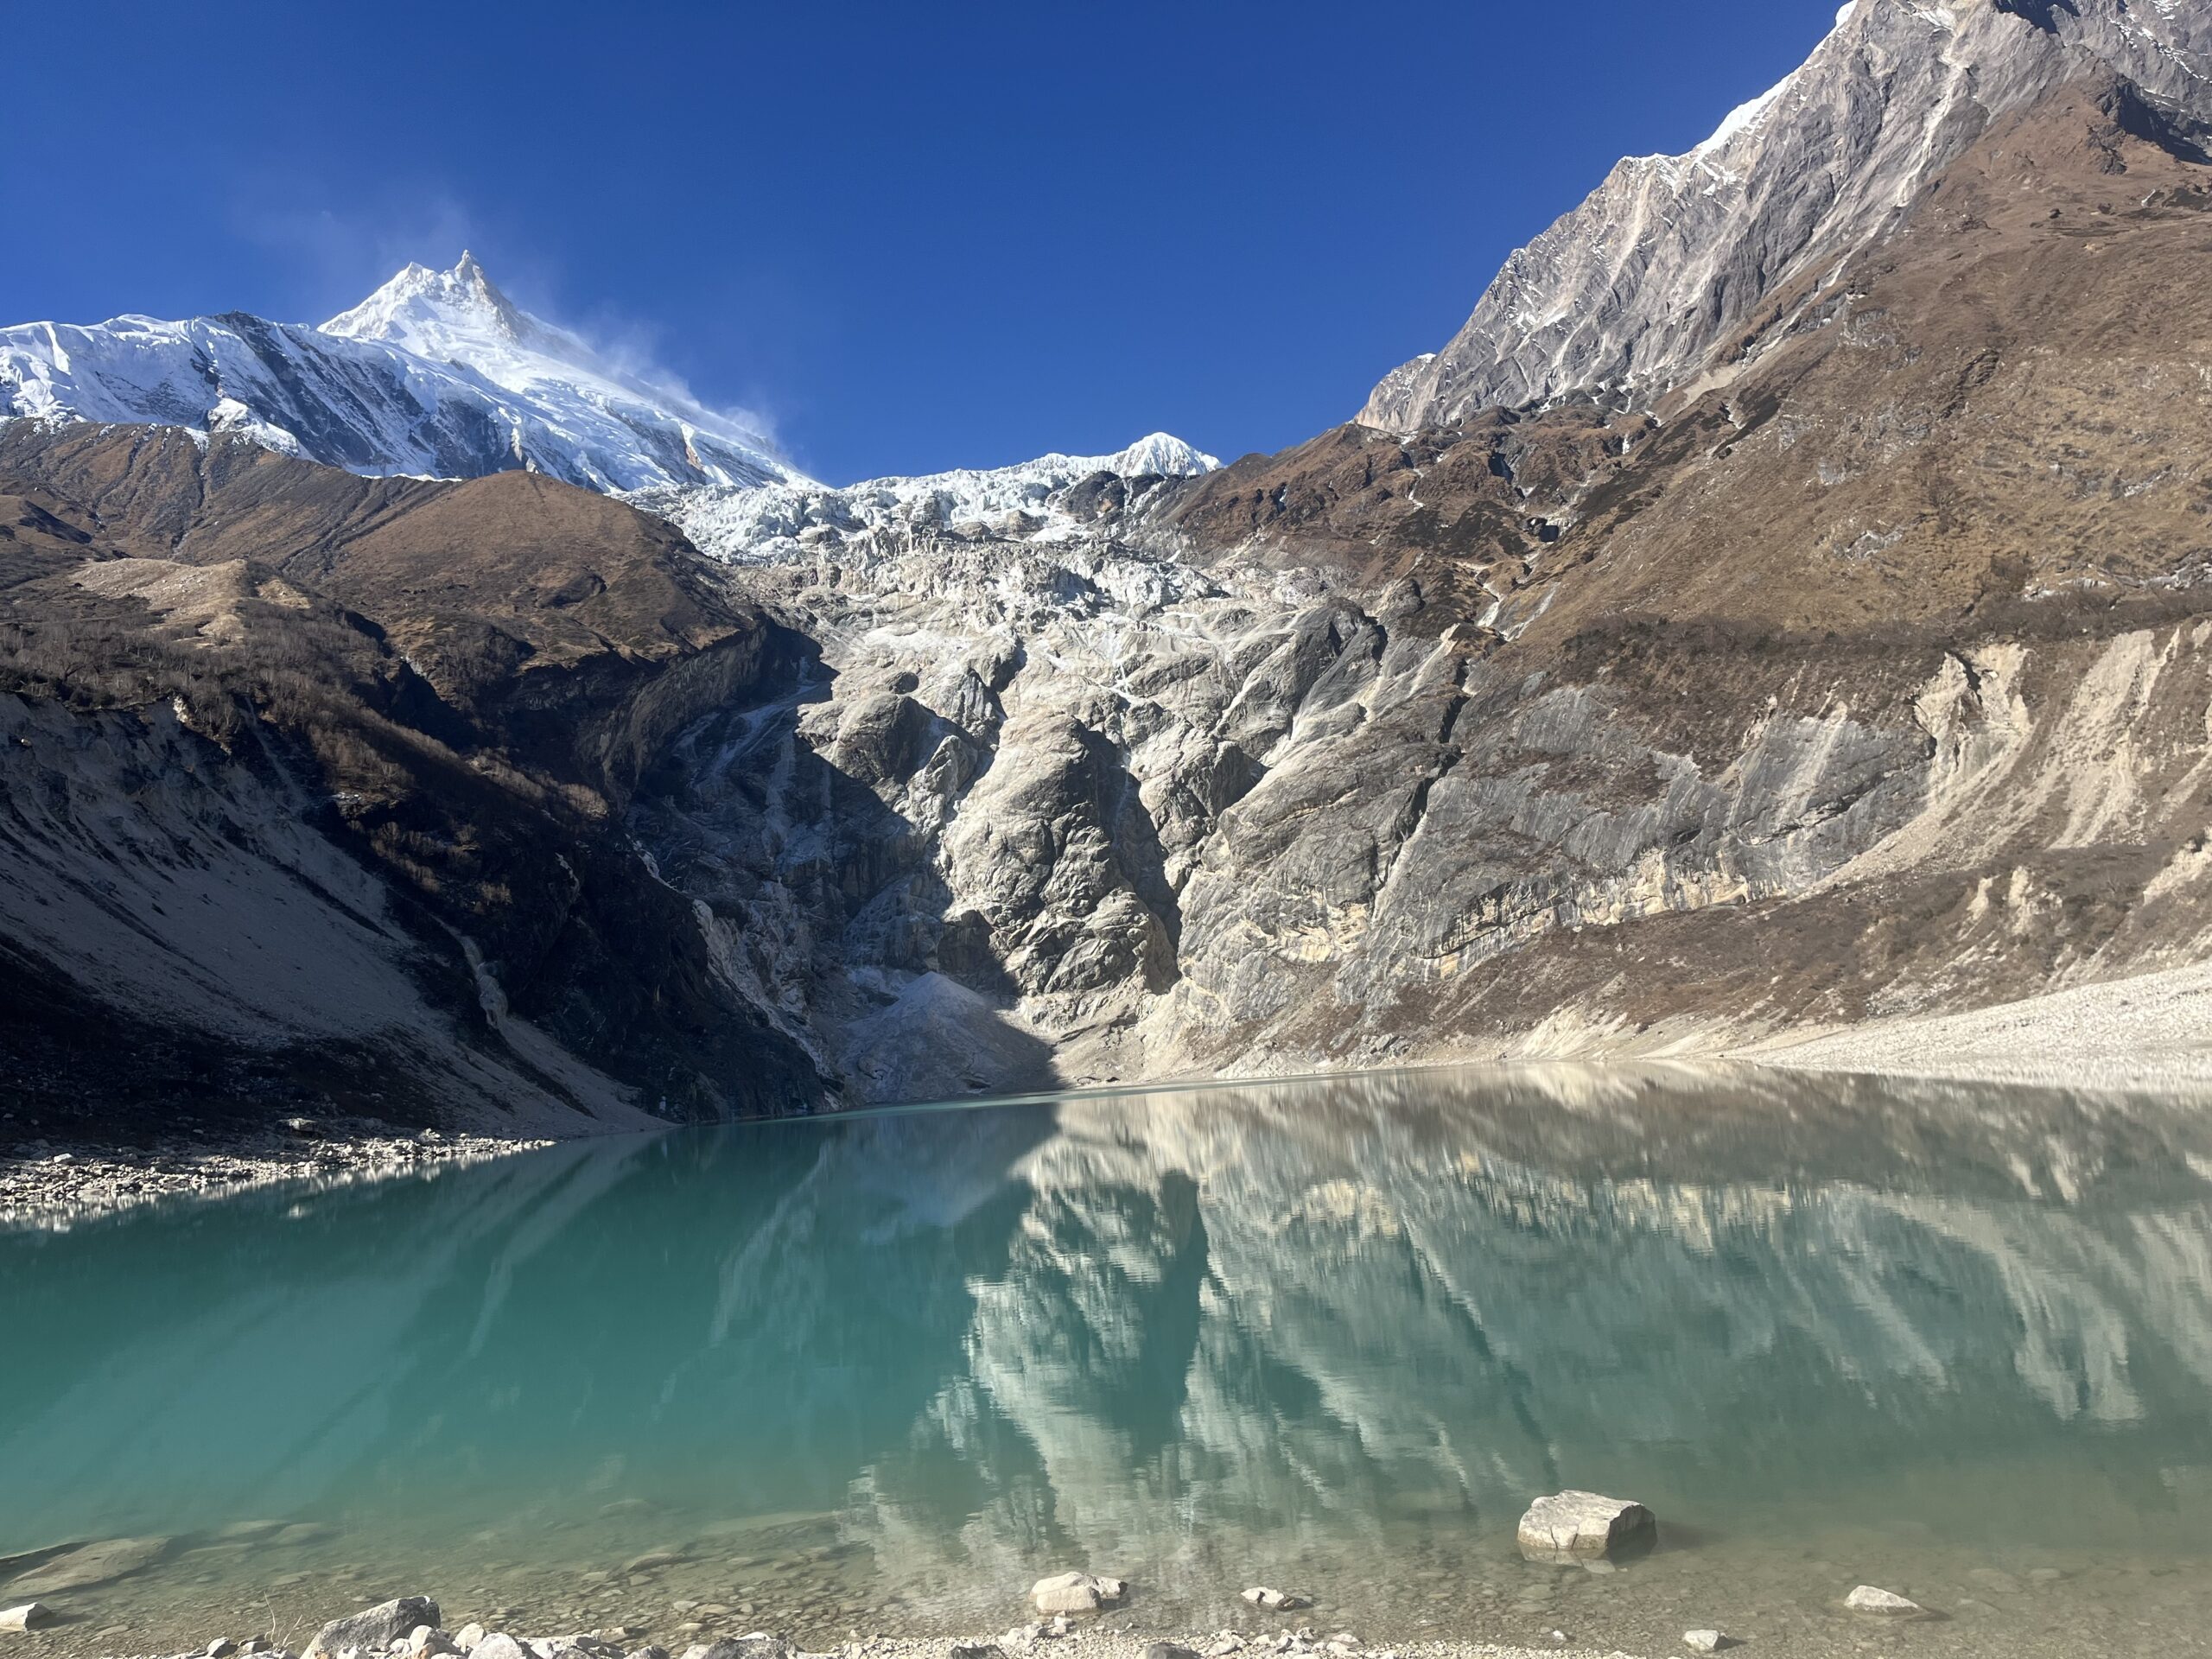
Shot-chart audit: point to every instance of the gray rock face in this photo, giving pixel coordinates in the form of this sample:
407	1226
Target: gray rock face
373	1630
1638	288
1078	810
1575	1526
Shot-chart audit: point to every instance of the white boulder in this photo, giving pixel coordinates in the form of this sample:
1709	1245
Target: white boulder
1885	1604
1576	1526
1075	1592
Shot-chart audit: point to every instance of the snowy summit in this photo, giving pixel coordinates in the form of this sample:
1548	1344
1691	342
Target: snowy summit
437	373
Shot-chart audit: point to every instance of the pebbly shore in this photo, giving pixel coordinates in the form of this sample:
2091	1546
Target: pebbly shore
369	1635
52	1183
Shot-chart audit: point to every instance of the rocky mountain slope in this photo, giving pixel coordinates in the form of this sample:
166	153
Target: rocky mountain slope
437	373
315	788
1854	669
1870	683
1682	264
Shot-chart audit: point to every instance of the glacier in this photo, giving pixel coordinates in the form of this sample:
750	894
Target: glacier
1036	499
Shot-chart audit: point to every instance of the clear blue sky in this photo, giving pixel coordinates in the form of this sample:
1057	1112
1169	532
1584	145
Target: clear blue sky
917	235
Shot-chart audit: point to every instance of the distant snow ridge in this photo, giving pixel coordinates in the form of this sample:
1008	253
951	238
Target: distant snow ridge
437	373
768	521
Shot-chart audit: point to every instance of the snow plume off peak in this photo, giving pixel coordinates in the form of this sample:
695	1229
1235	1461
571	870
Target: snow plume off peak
437	373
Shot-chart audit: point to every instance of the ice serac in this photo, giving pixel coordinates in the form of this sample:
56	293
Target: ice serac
1680	264
436	374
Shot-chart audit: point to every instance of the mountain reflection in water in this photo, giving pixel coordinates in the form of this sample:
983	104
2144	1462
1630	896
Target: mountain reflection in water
1110	1329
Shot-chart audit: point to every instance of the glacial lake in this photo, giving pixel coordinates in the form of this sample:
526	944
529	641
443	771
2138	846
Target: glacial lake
877	1374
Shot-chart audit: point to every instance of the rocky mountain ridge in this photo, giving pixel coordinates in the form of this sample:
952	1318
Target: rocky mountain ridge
1679	266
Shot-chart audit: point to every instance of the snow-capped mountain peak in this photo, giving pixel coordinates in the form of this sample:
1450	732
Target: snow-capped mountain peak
437	373
1159	452
433	313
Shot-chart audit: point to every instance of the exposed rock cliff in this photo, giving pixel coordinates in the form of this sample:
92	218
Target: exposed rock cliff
1678	265
1871	682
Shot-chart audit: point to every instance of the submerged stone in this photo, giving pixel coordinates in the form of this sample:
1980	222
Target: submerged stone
31	1615
91	1564
1886	1604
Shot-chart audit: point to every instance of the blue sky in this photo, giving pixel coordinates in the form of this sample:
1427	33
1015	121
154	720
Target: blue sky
917	236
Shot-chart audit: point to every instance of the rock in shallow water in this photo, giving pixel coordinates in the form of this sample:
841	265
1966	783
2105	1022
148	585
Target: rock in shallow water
1576	1526
1276	1601
90	1564
1075	1592
31	1615
1884	1603
1706	1641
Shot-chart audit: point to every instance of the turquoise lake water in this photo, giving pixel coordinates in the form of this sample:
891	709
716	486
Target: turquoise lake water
880	1373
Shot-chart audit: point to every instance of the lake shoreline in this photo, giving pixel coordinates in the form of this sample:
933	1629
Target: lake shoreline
1093	1642
2148	1033
53	1184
